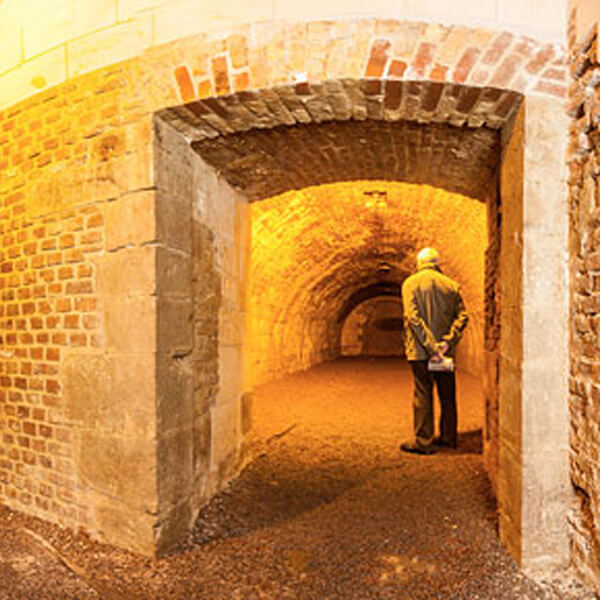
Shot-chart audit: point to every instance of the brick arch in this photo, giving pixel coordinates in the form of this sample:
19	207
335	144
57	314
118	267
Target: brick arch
376	290
316	253
390	49
267	142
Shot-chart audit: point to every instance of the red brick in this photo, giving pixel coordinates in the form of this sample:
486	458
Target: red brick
78	339
539	60
66	273
438	72
397	69
95	221
507	70
555	74
380	51
465	64
241	81
53	354
423	57
553	89
497	48
79	287
184	83
371	87
66	241
432	96
63	305
393	94
205	88
52	386
220	71
71	321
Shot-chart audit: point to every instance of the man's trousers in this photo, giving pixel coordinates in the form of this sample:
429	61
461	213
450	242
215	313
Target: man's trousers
423	404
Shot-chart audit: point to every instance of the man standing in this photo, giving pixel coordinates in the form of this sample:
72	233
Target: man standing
434	317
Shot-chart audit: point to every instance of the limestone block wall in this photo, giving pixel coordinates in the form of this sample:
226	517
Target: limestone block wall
584	156
533	487
46	43
202	408
313	250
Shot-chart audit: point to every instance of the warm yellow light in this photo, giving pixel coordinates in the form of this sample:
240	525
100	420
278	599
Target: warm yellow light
313	249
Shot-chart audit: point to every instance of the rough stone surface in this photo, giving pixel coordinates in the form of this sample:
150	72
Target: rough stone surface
198	278
265	163
79	194
584	159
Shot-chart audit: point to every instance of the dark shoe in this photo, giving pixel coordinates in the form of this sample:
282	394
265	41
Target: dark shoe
414	449
438	441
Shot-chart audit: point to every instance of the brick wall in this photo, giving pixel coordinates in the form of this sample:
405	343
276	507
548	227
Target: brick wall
49	309
584	156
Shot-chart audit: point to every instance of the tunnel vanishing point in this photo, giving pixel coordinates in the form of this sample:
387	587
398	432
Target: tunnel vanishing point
197	199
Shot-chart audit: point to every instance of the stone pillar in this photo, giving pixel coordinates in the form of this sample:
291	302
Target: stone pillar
533	485
202	409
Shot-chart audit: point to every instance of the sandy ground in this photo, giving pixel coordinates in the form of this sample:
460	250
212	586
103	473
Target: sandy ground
329	509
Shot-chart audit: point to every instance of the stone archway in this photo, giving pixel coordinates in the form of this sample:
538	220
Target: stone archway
255	156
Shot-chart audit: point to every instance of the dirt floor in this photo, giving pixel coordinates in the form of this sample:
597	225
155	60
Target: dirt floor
327	510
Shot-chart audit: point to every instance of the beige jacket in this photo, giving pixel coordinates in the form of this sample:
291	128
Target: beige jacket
433	312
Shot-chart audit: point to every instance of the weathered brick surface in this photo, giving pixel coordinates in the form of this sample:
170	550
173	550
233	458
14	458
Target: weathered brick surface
584	162
264	163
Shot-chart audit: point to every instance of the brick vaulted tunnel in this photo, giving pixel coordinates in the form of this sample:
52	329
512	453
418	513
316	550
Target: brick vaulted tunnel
320	252
307	201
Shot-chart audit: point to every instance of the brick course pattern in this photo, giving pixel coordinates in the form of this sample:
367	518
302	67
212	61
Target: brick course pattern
584	161
77	194
269	162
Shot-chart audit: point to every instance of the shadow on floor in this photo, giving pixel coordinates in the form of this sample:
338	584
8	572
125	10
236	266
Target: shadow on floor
469	442
271	490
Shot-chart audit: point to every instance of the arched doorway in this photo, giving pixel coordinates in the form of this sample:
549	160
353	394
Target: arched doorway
451	137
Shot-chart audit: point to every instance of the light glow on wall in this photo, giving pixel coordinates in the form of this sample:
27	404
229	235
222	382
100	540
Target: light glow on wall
313	250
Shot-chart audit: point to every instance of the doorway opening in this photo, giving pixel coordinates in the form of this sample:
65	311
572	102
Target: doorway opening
273	284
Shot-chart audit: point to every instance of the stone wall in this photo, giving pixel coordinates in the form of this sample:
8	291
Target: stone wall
584	158
86	231
202	408
533	412
492	332
47	43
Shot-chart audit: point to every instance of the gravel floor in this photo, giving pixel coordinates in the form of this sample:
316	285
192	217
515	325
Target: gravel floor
328	510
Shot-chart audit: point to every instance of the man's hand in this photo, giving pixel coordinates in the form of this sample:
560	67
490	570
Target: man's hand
436	358
442	348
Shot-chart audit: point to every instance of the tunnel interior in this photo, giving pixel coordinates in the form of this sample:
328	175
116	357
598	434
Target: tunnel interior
301	237
323	253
